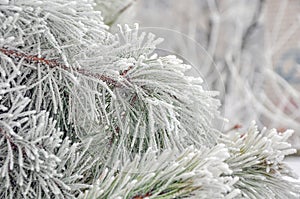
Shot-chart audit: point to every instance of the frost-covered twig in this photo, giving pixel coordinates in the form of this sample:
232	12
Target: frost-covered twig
191	173
257	160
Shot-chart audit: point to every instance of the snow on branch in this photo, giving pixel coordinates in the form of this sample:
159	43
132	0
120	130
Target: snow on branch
257	160
190	173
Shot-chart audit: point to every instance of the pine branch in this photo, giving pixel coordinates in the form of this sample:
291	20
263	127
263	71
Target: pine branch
15	55
171	174
34	156
257	160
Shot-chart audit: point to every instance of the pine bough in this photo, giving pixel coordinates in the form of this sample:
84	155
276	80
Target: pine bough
86	113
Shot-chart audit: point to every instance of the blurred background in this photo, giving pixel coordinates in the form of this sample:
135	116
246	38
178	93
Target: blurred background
249	51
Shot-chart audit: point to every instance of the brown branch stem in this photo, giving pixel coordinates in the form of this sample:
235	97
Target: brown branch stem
235	127
55	64
142	196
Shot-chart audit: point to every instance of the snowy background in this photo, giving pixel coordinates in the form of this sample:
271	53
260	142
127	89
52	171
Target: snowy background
294	163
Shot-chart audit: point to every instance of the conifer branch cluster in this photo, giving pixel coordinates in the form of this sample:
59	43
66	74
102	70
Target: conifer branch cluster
85	113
